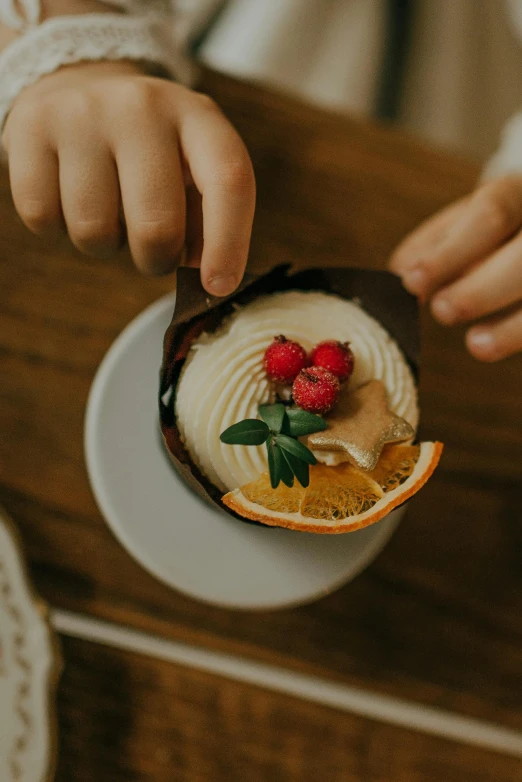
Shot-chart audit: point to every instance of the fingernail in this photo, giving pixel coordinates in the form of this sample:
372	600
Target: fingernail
414	280
480	339
443	311
222	284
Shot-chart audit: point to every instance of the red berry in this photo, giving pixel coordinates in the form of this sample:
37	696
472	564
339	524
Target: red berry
316	390
335	356
284	359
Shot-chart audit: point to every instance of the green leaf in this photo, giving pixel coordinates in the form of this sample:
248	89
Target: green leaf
299	422
251	431
278	467
296	448
273	416
300	469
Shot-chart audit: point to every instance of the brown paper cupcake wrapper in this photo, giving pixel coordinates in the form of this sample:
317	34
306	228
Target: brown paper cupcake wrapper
380	293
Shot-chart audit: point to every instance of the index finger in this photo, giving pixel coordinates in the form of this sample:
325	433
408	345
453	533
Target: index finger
477	226
222	172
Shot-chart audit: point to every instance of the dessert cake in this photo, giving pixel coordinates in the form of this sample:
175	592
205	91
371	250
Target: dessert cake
301	410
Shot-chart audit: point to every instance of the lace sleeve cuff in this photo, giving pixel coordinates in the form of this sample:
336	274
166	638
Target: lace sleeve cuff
508	157
65	40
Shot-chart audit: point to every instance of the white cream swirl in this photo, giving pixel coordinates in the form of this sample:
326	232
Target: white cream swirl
223	380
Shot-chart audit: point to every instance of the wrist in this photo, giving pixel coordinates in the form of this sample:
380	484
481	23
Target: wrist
78	75
142	42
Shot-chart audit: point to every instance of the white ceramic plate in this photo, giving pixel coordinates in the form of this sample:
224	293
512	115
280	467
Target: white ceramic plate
29	667
171	532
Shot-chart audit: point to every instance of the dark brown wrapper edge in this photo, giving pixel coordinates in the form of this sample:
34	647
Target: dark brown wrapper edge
380	293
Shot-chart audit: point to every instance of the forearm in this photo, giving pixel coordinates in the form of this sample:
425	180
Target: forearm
50	8
7	36
64	7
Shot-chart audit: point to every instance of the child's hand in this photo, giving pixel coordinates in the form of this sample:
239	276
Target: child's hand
95	144
467	261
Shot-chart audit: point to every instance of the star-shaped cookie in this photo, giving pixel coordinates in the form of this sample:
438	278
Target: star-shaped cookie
360	425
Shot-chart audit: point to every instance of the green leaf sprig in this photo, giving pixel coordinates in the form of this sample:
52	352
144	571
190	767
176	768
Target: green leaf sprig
279	427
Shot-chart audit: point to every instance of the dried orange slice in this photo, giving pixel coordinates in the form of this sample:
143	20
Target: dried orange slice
338	492
282	499
396	463
342	498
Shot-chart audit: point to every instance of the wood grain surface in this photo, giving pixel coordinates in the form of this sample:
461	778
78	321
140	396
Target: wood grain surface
437	617
125	717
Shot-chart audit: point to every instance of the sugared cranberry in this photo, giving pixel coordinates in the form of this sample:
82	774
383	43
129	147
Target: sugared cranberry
315	390
284	359
334	356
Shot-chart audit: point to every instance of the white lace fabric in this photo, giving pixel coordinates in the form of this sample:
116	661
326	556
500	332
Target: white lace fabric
145	34
508	157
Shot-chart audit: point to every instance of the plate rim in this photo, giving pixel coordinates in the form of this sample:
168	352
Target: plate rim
122	341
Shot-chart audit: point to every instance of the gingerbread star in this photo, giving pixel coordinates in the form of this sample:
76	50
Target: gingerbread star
360	425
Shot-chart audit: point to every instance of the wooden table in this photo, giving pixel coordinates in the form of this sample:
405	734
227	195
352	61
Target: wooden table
435	620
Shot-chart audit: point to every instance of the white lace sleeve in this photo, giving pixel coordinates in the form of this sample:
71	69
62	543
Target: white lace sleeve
144	32
508	157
